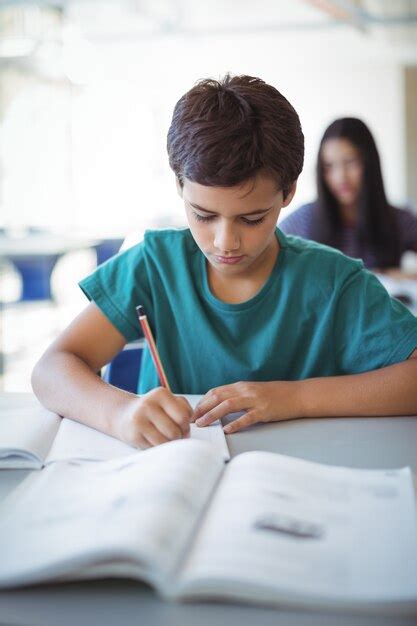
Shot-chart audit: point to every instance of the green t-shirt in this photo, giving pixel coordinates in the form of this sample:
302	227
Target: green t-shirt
320	313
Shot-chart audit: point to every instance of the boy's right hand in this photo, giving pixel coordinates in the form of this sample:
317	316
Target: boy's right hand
154	418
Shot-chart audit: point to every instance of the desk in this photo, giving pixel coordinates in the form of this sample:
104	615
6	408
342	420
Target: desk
401	288
357	442
35	256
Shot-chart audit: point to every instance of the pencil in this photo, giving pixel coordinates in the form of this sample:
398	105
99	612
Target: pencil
143	320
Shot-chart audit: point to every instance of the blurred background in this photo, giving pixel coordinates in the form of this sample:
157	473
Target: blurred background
87	89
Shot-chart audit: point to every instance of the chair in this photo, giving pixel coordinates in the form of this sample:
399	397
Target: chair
123	370
36	272
107	248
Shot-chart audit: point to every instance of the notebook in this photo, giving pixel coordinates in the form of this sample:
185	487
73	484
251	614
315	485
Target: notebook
31	436
264	528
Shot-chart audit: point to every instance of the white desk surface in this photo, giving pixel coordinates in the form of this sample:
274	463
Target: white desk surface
385	442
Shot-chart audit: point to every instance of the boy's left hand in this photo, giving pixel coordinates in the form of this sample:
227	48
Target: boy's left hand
263	402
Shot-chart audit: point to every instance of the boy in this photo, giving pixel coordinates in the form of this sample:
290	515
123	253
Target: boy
260	322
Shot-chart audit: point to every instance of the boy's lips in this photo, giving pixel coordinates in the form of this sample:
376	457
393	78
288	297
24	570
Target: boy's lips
228	260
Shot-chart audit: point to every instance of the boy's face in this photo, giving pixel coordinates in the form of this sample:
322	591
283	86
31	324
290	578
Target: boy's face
234	227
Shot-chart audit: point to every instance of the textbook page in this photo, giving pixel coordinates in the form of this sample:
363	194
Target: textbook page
131	516
78	441
288	531
27	432
31	436
213	433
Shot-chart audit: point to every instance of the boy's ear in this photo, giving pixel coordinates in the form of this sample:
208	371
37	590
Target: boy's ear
290	194
179	186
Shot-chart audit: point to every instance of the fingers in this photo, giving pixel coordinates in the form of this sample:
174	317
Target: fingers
154	436
144	434
158	429
140	442
165	425
248	419
164	417
231	405
213	398
234	398
153	419
178	410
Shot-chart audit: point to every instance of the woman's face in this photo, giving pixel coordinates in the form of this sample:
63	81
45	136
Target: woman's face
342	170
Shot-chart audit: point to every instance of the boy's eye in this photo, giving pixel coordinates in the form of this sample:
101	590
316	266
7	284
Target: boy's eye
201	218
252	222
245	220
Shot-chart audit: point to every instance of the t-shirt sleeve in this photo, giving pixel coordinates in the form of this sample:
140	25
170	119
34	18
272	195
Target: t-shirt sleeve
371	329
118	286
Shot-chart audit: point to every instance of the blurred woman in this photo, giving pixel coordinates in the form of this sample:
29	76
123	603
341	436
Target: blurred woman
351	212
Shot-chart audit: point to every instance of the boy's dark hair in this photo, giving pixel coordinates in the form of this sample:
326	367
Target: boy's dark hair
224	132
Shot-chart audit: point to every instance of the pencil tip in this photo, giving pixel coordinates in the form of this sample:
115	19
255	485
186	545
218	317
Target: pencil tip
140	311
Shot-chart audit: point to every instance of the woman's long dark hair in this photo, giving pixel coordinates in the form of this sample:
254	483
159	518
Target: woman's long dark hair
377	223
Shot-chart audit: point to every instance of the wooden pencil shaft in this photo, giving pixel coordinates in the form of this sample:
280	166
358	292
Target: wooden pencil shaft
152	346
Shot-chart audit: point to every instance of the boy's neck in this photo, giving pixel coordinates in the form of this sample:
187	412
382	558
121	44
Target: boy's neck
242	287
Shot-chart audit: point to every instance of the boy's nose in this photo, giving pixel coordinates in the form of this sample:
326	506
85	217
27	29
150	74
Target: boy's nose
226	239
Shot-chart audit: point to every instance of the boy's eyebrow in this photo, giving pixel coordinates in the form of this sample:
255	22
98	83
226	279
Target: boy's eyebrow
200	208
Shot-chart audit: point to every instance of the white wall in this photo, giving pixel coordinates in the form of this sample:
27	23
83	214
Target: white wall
122	113
325	74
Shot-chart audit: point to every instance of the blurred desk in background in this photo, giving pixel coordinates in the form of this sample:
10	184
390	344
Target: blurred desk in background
35	255
404	289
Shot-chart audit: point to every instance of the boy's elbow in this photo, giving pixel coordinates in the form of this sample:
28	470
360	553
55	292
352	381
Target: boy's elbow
42	376
37	376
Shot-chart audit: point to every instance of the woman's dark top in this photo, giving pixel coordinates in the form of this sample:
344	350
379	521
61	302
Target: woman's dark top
301	222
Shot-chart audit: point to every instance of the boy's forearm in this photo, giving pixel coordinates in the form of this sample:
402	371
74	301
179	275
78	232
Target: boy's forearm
75	391
388	391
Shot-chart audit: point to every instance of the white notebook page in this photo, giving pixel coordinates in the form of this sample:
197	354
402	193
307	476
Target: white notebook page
138	509
30	436
78	441
302	527
26	433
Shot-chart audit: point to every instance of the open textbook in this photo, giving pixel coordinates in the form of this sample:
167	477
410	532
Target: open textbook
264	528
31	436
